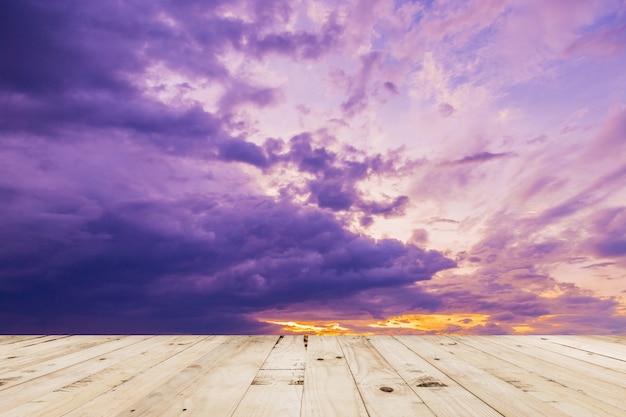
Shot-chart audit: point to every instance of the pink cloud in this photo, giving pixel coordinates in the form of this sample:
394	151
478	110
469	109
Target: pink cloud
611	138
607	42
446	109
450	19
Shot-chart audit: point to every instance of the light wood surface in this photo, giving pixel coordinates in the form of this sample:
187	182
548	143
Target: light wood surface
312	376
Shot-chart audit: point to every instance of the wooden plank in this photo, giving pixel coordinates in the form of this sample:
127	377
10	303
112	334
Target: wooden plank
9	348
66	373
503	397
329	389
383	391
86	386
568	400
607	362
231	376
270	400
219	391
612	338
441	394
8	339
121	396
276	390
615	351
166	395
600	383
40	369
279	400
288	353
32	354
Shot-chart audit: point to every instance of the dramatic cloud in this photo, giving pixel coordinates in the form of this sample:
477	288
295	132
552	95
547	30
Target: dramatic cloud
358	166
188	262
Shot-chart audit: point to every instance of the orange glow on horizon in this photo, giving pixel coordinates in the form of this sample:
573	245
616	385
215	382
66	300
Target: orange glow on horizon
524	329
329	329
540	325
413	323
433	323
425	324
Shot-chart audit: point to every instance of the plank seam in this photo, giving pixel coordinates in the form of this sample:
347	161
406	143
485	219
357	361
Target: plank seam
77	363
401	377
134	376
236	407
577	391
587	351
343	353
449	376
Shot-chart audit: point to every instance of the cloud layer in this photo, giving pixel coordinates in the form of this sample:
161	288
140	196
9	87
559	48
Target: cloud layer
221	167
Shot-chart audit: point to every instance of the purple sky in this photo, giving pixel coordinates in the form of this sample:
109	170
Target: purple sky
323	166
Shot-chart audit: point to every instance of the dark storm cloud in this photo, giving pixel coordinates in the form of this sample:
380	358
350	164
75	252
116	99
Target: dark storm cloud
241	151
54	46
75	63
386	209
245	254
45	51
241	94
71	66
123	213
301	45
337	173
333	194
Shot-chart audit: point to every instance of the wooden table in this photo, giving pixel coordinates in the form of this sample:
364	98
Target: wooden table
344	376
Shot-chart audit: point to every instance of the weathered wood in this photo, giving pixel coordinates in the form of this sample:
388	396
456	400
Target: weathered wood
503	397
383	391
220	390
276	390
88	384
611	339
122	395
288	353
599	347
312	376
166	395
40	369
9	339
566	399
574	353
441	394
592	380
13	345
28	355
329	389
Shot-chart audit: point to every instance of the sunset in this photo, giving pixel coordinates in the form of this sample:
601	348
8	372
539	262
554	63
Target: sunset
349	167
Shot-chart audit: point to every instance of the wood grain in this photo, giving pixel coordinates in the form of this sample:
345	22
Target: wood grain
312	376
444	396
276	391
384	392
329	389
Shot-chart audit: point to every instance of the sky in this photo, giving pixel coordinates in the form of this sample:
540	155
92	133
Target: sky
327	167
